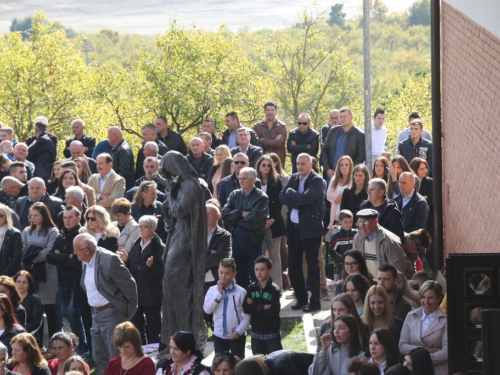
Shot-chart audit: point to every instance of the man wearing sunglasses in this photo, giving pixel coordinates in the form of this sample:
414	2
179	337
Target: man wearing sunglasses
302	139
230	183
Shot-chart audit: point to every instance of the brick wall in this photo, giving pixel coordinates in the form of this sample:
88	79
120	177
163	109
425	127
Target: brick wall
471	135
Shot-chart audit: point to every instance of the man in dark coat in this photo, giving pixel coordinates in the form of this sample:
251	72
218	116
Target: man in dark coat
345	139
413	206
123	157
302	139
62	255
42	152
149	134
88	142
200	161
244	146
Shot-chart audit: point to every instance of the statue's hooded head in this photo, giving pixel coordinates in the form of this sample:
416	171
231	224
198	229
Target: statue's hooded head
174	164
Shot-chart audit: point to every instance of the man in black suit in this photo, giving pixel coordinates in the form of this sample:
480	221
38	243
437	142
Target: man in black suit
88	142
36	193
218	247
303	195
253	152
42	152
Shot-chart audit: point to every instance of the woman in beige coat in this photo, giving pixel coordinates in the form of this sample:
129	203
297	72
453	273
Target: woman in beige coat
427	327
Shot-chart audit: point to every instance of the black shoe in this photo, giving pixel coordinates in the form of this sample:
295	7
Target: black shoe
311	308
299	306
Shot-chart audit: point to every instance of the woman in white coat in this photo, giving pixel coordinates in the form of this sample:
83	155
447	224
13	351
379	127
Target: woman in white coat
427	327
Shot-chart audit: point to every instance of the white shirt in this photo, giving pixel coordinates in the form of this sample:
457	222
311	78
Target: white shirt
143	245
294	215
427	320
407	199
95	298
102	181
379	137
209	277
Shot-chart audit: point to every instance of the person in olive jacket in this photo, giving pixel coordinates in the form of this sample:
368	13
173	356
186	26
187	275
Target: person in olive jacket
146	267
11	244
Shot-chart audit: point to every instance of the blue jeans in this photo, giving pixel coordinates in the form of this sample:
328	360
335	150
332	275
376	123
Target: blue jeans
244	254
74	316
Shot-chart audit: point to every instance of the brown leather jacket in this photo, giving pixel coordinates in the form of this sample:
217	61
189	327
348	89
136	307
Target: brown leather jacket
268	137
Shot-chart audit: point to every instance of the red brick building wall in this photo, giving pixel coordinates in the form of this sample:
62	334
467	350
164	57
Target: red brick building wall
471	135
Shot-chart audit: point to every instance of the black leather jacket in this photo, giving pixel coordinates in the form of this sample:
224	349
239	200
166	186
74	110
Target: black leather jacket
257	203
123	163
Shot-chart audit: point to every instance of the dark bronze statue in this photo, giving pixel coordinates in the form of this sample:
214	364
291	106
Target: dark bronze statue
184	257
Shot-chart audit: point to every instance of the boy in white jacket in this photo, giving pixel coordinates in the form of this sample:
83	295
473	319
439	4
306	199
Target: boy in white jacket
225	302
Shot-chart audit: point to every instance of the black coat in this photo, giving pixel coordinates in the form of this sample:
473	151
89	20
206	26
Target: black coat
415	213
148	279
426	190
220	242
216	141
42	154
352	202
66	261
389	217
253	153
174	142
206	163
109	243
34	313
55	205
354	146
311	137
310	205
273	193
20	312
8	334
11	253
229	184
423	149
139	170
123	162
87	141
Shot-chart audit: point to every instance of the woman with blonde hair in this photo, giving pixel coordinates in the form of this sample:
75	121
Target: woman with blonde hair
378	313
98	224
341	180
11	243
222	152
26	356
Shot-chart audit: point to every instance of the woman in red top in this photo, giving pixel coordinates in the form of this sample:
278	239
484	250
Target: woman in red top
63	344
131	360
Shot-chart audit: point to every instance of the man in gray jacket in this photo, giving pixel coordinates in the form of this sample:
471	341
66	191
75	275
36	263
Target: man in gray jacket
111	293
379	245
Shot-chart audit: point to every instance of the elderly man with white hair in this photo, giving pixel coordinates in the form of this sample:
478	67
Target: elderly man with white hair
245	215
199	159
123	157
111	293
77	150
146	266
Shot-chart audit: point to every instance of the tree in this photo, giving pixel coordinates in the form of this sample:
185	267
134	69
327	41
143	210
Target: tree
378	11
40	76
308	69
337	17
23	26
420	13
199	73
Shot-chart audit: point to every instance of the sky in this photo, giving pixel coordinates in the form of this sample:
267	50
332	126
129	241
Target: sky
150	16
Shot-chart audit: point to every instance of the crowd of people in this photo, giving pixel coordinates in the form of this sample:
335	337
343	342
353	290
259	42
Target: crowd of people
83	238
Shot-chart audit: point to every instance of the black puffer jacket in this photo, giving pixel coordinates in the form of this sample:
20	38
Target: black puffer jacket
123	162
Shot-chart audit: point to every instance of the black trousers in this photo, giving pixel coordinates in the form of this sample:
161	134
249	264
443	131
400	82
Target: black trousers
296	247
149	328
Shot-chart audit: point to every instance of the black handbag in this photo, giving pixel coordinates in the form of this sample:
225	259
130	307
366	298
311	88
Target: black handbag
37	270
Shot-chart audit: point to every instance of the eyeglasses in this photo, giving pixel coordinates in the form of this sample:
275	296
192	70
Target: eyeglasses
91	218
349	265
239	162
2	216
302	123
144	226
265	165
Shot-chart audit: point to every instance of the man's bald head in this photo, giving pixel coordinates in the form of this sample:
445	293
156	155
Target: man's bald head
115	136
84	246
406	183
76	149
11	185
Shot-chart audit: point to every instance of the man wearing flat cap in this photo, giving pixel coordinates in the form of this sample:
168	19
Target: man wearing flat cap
379	245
